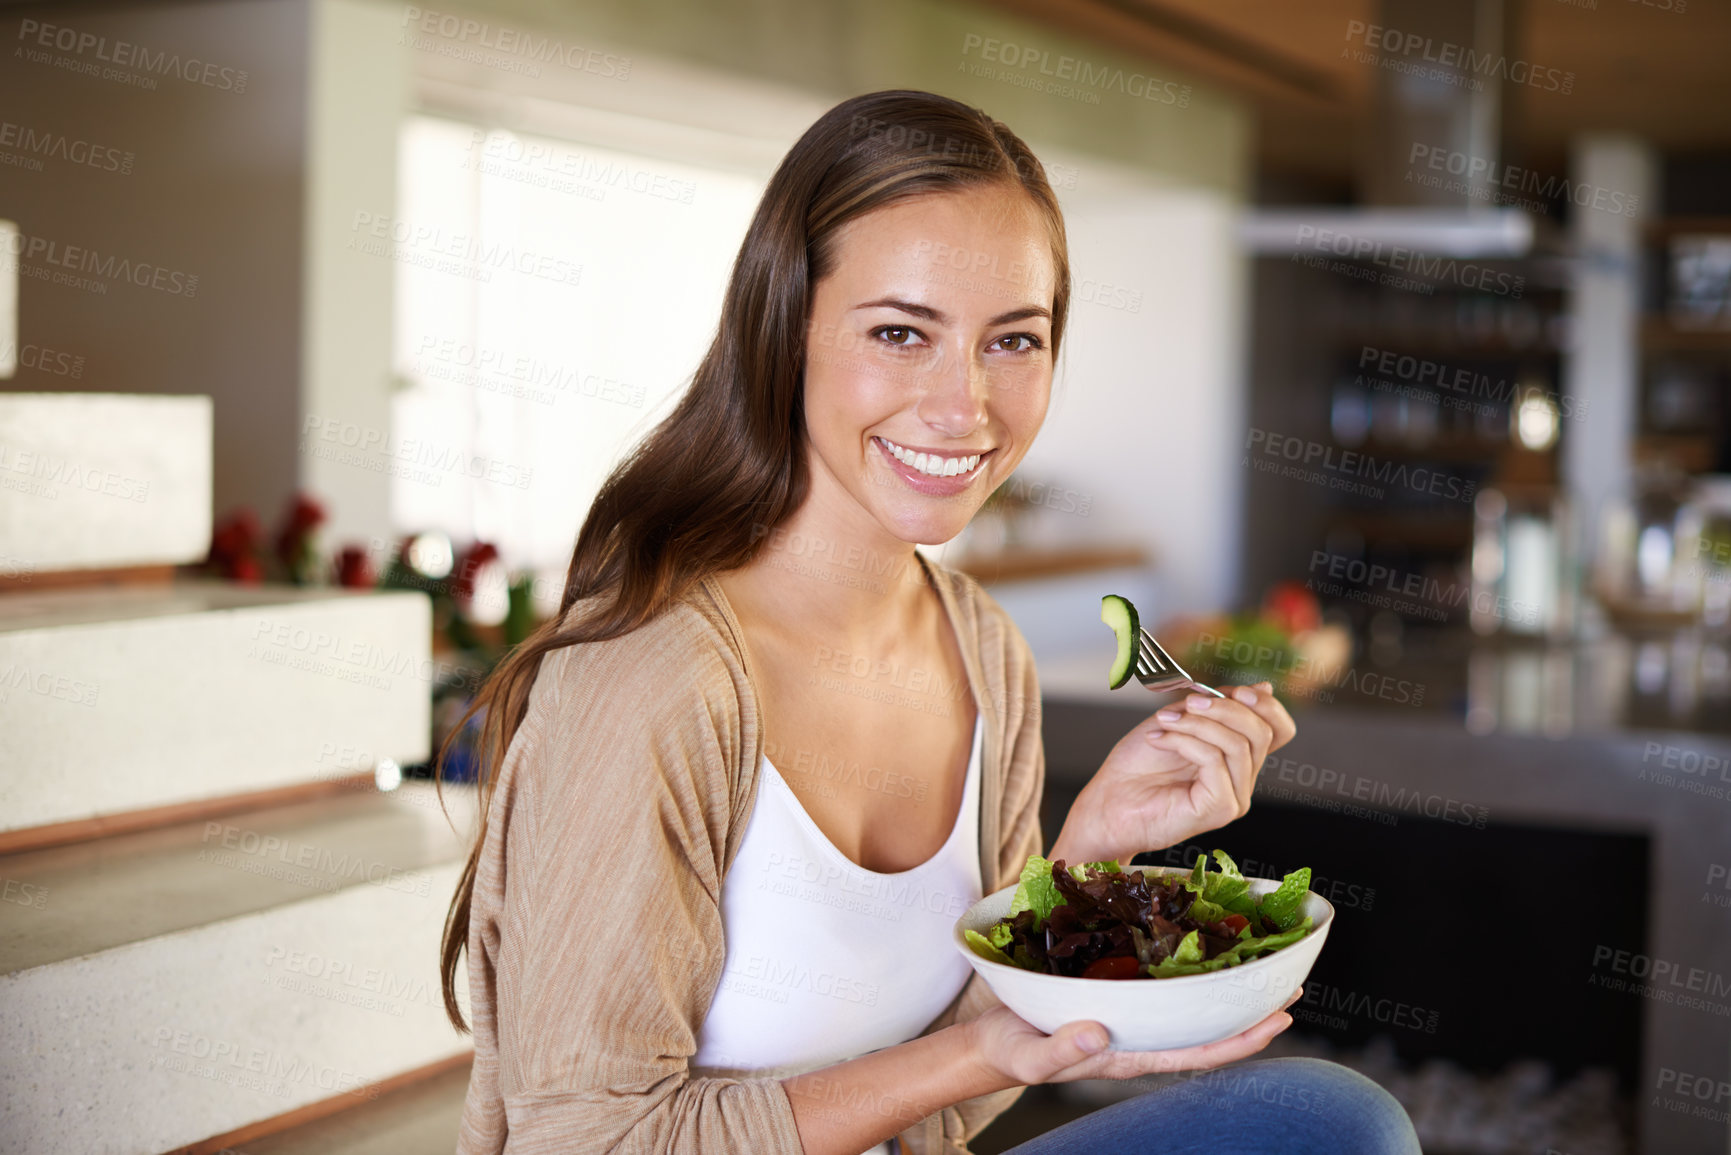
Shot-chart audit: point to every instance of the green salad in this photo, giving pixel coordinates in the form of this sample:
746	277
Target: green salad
1097	920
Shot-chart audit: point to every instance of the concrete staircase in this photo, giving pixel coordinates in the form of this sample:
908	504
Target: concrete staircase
419	1119
219	909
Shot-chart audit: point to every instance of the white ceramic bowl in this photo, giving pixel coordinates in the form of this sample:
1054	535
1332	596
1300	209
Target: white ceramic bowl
1152	1014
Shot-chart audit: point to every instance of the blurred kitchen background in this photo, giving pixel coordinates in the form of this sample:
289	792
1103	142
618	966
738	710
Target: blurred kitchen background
1399	373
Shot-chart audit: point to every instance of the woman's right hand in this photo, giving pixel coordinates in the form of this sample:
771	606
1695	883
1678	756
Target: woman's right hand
1023	1055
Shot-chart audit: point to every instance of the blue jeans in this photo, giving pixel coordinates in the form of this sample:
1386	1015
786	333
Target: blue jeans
1264	1107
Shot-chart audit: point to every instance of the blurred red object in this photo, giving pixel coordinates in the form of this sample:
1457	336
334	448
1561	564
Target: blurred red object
234	548
468	565
1292	608
355	569
294	541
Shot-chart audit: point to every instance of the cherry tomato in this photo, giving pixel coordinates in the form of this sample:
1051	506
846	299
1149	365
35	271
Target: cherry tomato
1234	923
1112	968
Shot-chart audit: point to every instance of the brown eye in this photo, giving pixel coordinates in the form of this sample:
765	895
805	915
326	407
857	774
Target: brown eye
1025	343
894	334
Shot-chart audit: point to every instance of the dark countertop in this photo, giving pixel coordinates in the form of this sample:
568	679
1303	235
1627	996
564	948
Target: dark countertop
1617	683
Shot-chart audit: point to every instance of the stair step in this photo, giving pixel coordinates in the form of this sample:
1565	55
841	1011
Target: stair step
98	480
166	986
69	901
420	1119
115	700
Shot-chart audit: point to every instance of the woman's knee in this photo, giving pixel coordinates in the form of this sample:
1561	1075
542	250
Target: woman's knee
1357	1116
1272	1106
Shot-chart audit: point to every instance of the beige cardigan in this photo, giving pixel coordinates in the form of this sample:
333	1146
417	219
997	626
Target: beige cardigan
595	933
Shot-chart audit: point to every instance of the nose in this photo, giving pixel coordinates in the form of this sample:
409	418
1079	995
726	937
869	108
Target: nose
954	402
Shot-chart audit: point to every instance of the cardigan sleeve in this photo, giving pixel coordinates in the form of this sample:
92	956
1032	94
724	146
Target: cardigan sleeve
596	939
1025	772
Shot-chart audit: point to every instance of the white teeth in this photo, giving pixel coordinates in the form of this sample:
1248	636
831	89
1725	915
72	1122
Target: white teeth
931	464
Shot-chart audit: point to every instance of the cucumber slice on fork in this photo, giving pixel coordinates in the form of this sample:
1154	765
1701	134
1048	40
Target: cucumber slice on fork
1118	613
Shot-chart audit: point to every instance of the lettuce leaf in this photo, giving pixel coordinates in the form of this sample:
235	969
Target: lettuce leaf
1190	949
1224	891
1283	907
1285	937
1188	960
1230	889
1081	871
1198	880
1204	911
986	948
1171	967
1036	891
1001	935
1249	945
1219	894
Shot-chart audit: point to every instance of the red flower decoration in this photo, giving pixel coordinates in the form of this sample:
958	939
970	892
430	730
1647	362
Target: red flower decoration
293	540
463	576
355	569
234	548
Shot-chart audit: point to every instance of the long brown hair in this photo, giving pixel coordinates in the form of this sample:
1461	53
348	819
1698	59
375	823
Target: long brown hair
702	490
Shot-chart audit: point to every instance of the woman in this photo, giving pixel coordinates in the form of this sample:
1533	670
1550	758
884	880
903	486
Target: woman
767	754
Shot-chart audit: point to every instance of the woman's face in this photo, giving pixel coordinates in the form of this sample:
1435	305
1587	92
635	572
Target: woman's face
928	360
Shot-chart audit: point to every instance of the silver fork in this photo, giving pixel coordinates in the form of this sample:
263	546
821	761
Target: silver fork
1156	670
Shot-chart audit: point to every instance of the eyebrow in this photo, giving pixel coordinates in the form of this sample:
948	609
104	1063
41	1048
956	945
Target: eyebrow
931	314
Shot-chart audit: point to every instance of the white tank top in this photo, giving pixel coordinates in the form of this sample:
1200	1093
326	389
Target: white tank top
827	960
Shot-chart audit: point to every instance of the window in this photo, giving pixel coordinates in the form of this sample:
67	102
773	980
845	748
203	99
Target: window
552	300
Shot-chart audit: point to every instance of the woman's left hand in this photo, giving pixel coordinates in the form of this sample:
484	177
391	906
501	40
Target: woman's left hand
1188	769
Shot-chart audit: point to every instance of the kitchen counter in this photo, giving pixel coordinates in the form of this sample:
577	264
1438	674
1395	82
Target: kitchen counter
1617	683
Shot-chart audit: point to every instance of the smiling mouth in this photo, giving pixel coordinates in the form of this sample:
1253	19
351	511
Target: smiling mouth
933	464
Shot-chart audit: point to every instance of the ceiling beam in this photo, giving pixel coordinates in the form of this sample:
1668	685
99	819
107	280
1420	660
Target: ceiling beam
1209	50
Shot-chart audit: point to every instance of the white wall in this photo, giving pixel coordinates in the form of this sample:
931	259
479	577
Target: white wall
1147	415
358	92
